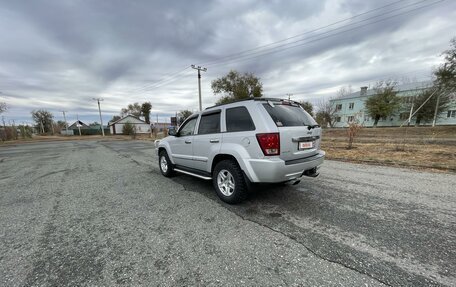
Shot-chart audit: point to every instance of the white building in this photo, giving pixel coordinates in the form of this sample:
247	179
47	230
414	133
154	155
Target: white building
141	126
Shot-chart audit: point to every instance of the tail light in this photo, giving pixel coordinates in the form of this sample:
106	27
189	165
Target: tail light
269	143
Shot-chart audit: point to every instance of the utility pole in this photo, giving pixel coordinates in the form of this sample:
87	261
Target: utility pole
66	123
410	115
99	111
78	124
436	110
199	68
15	130
289	95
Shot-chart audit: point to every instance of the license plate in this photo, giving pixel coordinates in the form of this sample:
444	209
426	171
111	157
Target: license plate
306	145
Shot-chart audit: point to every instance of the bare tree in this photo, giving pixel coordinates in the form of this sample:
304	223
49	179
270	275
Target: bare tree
3	107
344	91
326	113
354	127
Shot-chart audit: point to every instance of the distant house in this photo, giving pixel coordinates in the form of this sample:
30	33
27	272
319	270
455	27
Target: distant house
79	127
74	126
141	126
350	108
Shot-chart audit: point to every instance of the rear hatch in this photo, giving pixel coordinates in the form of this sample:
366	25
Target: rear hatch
299	133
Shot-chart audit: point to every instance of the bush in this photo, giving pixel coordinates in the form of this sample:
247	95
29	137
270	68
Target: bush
129	129
352	132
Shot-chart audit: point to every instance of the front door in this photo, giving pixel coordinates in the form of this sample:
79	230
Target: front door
182	144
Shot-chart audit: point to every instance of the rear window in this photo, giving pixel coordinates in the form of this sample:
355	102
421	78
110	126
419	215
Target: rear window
286	115
238	120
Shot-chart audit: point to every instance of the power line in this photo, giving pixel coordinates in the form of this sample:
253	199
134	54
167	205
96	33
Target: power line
166	78
304	33
171	77
287	47
245	55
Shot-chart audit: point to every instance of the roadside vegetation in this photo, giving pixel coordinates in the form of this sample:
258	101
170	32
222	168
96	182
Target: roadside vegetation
417	147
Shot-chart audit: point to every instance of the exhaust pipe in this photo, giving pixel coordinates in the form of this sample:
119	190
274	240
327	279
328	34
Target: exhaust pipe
311	172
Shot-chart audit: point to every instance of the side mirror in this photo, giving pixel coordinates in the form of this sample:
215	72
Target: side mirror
172	133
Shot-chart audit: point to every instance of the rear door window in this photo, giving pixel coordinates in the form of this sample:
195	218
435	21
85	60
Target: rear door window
238	119
288	115
209	124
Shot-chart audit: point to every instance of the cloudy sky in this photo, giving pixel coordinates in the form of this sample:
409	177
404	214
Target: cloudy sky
58	55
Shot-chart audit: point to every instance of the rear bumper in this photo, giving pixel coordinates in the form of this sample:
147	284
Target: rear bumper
277	170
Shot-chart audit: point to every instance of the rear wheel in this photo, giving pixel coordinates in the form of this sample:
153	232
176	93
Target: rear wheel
166	167
229	182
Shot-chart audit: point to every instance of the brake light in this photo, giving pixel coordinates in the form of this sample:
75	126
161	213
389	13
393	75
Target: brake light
269	143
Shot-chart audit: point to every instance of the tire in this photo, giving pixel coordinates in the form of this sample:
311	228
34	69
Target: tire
166	167
229	182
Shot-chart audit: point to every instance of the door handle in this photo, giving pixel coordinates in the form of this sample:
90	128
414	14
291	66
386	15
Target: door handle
188	141
214	140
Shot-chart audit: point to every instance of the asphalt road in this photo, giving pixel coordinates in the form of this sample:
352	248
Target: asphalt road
99	213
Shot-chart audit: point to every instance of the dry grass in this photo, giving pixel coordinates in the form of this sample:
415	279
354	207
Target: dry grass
38	138
428	148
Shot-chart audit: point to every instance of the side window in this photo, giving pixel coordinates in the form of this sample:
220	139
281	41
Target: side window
238	119
188	128
209	124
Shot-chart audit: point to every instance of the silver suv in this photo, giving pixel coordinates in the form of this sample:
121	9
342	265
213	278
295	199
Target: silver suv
251	141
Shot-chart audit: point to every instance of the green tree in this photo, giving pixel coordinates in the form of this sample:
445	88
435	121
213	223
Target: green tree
443	85
307	106
129	129
115	118
384	103
235	86
446	73
182	116
26	131
61	124
43	120
131	109
145	110
426	113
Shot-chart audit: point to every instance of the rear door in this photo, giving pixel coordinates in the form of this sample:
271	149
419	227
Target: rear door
299	133
207	140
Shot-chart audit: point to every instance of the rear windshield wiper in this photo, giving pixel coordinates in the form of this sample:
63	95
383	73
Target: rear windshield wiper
312	126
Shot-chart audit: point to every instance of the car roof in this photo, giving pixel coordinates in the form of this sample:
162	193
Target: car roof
253	99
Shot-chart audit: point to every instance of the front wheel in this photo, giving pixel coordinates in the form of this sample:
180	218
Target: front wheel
229	182
166	167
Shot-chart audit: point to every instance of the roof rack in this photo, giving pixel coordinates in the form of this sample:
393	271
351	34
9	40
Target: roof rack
254	99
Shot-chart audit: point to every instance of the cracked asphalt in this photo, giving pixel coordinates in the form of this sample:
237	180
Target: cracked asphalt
99	213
